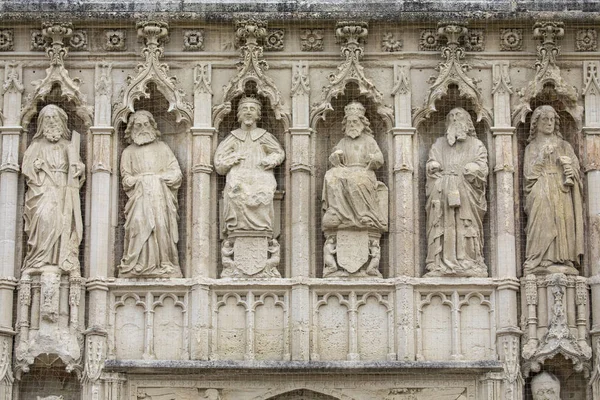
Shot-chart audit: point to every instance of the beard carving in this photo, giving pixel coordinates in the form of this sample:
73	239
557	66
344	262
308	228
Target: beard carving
353	132
142	137
457	130
52	132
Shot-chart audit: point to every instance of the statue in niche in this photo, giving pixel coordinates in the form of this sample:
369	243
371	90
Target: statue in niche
151	178
247	157
457	171
545	386
553	198
54	174
354	201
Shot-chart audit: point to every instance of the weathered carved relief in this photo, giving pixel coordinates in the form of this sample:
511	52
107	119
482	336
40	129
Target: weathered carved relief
429	40
193	40
553	199
251	326
511	39
457	171
354	201
79	40
248	156
6	375
513	379
274	40
551	327
545	386
586	40
453	72
390	43
50	398
53	223
475	40
114	40
7	39
154	34
38	41
151	178
446	326
547	74
311	40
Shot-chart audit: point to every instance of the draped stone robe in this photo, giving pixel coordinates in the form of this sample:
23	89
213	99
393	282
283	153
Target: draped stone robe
352	196
151	225
554	209
455	208
52	211
249	188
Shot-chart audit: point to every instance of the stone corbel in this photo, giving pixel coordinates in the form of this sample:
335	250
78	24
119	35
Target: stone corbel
57	75
250	34
152	70
352	36
453	72
548	73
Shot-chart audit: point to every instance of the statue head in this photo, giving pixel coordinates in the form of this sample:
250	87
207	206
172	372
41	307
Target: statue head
355	123
52	124
141	128
545	386
544	121
249	111
459	125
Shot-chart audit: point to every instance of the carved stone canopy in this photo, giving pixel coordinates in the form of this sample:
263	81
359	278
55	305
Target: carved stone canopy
151	71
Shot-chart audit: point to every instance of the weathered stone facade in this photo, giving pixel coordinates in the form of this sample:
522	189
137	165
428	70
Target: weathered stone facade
299	200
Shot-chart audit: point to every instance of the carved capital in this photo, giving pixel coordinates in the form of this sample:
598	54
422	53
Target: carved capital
57	33
352	35
548	31
154	33
453	31
250	32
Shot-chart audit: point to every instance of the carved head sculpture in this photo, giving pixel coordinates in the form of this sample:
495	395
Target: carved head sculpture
249	111
545	120
355	123
545	386
459	125
141	128
52	124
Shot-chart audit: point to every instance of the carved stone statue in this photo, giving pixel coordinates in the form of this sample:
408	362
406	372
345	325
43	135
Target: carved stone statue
54	174
553	198
545	386
247	156
151	178
457	170
354	201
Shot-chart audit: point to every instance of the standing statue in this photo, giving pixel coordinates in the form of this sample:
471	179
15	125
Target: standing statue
545	386
54	174
553	198
457	171
354	201
151	178
248	156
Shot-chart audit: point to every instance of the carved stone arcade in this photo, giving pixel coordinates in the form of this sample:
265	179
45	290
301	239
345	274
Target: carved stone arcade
228	300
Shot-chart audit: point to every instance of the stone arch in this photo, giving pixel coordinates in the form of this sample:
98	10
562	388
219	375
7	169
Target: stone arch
302	394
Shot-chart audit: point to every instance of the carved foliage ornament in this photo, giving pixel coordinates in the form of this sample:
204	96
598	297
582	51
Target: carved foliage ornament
311	40
352	36
193	40
274	40
6	39
453	72
114	40
390	44
548	73
154	34
511	39
57	36
586	40
250	34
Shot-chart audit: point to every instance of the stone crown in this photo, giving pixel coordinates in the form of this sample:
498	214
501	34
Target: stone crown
355	108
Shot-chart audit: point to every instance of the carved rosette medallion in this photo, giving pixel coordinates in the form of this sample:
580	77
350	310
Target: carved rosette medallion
511	39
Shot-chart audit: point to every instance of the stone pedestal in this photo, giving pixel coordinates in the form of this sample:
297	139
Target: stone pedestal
351	253
250	254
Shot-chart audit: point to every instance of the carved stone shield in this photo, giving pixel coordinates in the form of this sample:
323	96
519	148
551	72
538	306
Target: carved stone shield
250	254
352	249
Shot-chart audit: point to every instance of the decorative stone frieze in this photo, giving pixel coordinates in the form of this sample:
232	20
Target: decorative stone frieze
475	40
429	40
511	39
79	40
37	41
7	39
390	44
114	40
193	40
586	40
311	39
274	40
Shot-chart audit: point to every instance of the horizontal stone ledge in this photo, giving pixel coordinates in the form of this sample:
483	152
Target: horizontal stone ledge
396	367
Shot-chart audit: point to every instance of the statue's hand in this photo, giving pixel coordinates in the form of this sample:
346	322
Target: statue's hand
233	159
336	158
470	169
433	167
267	164
38	164
78	169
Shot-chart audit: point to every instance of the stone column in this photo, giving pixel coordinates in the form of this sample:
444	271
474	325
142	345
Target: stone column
591	132
402	221
203	212
101	249
405	322
9	194
508	333
301	198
